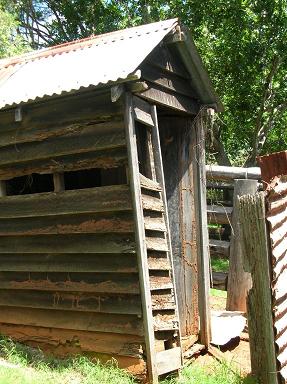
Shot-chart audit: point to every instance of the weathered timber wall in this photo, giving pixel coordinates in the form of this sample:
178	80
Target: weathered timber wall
176	152
69	273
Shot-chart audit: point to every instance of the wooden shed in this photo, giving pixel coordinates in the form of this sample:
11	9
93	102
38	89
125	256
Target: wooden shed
102	228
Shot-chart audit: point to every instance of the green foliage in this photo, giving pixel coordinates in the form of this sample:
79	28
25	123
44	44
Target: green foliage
11	42
219	265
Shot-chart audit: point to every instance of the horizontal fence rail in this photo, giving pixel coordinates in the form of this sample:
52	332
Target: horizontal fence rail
220	196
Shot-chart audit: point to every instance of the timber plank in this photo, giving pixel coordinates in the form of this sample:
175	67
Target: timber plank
217	214
163	301
159	95
68	262
160	282
168	80
156	244
82	107
152	203
119	283
112	343
154	223
100	199
142	111
53	148
73	301
102	222
111	158
149	184
85	321
32	133
168	360
76	243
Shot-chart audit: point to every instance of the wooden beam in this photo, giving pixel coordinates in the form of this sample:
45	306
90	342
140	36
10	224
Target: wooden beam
3	190
160	96
59	182
140	239
90	200
85	321
218	214
198	150
256	259
219	248
239	281
218	172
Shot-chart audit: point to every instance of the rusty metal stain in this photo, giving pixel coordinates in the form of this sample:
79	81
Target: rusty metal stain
276	204
272	165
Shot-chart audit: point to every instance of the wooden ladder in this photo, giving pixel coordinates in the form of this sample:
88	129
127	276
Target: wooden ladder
160	311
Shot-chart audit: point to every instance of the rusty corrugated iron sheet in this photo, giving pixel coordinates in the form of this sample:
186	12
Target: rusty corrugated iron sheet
276	201
272	165
93	61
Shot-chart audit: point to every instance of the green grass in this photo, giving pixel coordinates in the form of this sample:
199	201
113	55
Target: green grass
218	293
219	265
33	368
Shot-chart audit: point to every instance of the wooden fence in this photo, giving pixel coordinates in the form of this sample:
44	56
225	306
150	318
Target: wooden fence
224	185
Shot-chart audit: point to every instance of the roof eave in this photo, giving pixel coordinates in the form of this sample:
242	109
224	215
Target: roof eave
199	76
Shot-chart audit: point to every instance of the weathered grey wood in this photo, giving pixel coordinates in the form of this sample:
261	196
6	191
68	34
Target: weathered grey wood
198	148
150	161
102	222
167	80
259	301
98	159
59	182
69	262
100	199
159	95
217	214
156	244
55	147
87	321
160	177
115	283
219	248
79	302
168	360
162	58
151	203
149	184
134	178
85	243
239	281
154	223
219	280
178	171
219	172
3	190
142	111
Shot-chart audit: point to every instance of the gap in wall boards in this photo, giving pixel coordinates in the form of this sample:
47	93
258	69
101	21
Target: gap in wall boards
34	183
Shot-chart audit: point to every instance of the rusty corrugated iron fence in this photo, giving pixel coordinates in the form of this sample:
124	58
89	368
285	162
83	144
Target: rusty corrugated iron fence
276	205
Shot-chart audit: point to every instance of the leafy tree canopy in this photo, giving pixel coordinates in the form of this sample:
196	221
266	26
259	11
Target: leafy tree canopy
242	43
11	42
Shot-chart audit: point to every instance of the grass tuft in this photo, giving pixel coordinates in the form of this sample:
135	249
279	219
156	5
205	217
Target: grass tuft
25	365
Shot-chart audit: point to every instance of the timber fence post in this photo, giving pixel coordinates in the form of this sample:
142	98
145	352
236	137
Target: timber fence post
239	281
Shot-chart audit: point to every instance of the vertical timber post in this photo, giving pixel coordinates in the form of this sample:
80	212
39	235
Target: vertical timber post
140	239
3	190
198	158
256	259
239	281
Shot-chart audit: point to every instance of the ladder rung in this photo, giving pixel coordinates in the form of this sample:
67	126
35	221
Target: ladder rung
149	184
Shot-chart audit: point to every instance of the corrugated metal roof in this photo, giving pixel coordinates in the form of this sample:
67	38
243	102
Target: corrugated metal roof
92	61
